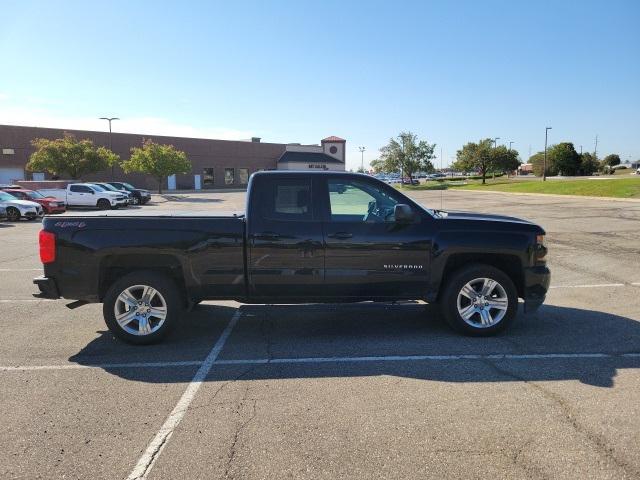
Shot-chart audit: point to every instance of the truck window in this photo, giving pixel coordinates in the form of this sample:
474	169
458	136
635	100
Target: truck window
286	199
351	201
80	189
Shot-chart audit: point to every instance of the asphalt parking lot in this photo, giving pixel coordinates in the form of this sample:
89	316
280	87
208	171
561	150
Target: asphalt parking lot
337	391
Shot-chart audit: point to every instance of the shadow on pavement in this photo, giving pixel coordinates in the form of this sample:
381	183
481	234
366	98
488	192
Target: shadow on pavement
181	199
379	330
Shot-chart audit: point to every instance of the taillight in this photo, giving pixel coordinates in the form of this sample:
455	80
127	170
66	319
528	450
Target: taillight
540	248
47	246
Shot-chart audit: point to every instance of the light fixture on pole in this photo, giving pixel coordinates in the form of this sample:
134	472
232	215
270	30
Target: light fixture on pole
544	165
362	149
110	119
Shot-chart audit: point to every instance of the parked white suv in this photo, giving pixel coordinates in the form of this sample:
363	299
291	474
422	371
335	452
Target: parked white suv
16	208
87	195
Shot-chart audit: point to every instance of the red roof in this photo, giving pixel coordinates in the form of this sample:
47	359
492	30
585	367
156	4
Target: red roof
333	138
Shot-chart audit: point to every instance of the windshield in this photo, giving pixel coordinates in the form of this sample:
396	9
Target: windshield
6	196
97	188
128	186
106	186
35	195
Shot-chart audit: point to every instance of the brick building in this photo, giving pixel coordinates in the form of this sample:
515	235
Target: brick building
215	163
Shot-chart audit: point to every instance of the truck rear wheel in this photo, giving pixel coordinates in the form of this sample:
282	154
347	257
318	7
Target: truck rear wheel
142	307
479	300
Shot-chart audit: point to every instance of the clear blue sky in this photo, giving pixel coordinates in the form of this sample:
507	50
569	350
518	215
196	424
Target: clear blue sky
298	71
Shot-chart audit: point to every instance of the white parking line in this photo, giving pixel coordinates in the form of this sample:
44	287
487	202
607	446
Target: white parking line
265	361
413	358
75	366
26	300
596	285
151	454
21	269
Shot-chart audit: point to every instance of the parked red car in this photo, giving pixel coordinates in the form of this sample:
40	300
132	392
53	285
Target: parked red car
49	204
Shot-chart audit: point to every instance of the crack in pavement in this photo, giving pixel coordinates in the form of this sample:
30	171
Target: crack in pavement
570	417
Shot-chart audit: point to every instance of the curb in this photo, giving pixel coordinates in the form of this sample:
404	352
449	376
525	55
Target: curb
554	195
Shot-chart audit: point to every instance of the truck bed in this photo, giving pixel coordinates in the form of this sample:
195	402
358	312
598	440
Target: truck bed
203	249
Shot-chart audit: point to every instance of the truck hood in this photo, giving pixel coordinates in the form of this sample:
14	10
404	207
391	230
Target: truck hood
486	218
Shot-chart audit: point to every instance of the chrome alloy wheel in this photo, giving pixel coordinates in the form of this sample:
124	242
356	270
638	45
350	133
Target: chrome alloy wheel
482	302
140	310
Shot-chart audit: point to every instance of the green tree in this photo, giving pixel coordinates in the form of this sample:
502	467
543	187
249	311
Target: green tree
477	157
157	160
588	164
564	158
537	160
505	160
68	155
406	153
378	166
611	160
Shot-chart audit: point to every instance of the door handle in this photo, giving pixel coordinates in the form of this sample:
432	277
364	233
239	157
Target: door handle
340	235
267	236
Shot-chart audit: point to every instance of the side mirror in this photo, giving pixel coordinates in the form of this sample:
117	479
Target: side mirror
403	213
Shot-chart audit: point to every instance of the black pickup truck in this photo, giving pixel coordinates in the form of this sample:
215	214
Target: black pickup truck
325	237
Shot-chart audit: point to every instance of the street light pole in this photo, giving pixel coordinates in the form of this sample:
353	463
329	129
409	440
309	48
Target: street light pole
510	143
544	165
362	149
110	119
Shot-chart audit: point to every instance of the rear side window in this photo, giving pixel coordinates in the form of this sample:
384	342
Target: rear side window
80	188
285	199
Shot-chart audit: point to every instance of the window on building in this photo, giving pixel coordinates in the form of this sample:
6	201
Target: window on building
229	176
207	177
243	176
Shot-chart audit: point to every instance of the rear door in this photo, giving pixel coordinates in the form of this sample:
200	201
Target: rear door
285	238
368	254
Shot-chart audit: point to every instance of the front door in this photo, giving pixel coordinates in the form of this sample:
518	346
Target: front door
368	254
286	255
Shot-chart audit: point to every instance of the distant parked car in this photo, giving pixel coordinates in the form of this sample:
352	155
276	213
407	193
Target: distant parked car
17	209
410	181
111	188
140	196
638	171
49	204
87	195
3	213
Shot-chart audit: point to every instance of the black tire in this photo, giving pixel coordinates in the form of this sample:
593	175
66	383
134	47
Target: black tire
169	294
13	214
104	204
473	326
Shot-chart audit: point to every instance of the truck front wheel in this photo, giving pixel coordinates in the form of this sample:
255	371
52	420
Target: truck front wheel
142	307
104	204
479	300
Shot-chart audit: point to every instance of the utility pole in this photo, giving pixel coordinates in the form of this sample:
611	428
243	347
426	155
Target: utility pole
510	143
595	150
580	150
362	149
544	165
110	119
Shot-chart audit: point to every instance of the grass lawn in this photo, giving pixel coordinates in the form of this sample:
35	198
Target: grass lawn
605	187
